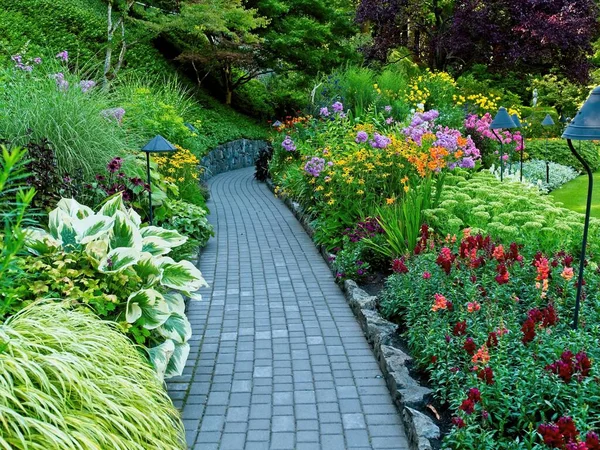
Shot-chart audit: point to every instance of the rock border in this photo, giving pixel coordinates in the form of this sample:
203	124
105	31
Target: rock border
409	396
232	155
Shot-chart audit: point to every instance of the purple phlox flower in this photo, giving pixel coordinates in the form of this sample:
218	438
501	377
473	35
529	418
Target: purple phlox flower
64	56
380	141
86	85
330	163
421	124
467	163
113	113
338	107
361	136
288	144
61	82
315	166
389	120
342	115
388	109
324	111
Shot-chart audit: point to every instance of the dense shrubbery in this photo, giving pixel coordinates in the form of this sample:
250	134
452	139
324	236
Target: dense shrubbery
558	151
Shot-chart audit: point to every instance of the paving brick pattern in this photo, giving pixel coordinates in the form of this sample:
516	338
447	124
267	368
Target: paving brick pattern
277	359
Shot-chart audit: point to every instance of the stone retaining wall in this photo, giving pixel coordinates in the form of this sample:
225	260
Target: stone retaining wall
230	156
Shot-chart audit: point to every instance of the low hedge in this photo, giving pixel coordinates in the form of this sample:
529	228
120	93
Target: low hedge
558	151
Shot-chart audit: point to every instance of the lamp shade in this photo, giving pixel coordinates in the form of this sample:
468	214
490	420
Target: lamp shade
158	144
502	120
191	127
516	120
586	124
547	122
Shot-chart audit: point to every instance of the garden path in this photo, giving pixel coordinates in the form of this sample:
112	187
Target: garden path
277	359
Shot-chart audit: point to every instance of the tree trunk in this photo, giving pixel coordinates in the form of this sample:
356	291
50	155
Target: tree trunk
109	48
228	96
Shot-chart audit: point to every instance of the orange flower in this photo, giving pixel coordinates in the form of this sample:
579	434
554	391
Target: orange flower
567	273
473	306
440	302
481	356
498	253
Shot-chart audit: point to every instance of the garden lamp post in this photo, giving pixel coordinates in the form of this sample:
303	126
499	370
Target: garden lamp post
502	120
584	127
517	122
158	144
547	122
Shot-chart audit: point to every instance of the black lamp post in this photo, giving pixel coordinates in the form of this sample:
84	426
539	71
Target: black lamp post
502	120
517	122
584	127
157	145
547	122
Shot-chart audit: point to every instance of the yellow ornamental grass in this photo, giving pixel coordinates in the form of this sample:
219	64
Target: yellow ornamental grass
71	381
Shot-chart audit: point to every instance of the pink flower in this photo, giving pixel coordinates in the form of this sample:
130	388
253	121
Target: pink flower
426	275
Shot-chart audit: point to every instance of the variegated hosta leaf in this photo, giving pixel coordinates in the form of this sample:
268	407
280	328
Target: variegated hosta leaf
55	218
134	217
73	208
171	238
39	242
92	228
177	361
98	249
147	269
61	227
119	259
177	327
160	356
155	246
183	276
112	205
125	233
149	306
176	302
194	296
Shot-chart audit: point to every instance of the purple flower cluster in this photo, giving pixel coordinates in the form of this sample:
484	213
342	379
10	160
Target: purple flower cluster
338	107
114	113
368	228
380	141
450	139
421	124
86	85
361	136
324	111
61	83
63	56
288	144
114	165
19	64
315	166
388	109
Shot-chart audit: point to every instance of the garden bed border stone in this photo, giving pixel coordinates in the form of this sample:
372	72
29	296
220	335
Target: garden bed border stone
409	396
232	155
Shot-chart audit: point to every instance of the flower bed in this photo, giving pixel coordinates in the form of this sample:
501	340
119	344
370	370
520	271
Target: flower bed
491	325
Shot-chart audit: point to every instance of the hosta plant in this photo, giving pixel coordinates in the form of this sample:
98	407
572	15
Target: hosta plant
70	381
110	245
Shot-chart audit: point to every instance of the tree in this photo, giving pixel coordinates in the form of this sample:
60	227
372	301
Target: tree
116	15
218	37
532	36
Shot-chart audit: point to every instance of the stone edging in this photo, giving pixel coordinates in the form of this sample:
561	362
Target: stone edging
230	156
409	396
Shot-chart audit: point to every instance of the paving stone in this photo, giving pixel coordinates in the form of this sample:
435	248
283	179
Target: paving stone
277	359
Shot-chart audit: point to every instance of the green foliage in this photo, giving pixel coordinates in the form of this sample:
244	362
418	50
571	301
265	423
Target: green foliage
512	212
482	328
70	381
350	262
104	250
557	150
188	220
558	92
35	107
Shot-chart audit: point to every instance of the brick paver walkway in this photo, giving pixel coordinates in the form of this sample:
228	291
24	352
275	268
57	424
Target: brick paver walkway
277	360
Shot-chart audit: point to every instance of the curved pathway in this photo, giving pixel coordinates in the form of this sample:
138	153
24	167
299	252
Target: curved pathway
277	359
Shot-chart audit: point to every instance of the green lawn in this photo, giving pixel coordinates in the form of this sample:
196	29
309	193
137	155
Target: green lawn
574	193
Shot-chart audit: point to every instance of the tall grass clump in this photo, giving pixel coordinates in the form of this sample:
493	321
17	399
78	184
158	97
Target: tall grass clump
71	381
36	105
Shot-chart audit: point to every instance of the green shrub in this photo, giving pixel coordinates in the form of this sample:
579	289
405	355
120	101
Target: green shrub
255	99
558	151
71	381
533	117
76	123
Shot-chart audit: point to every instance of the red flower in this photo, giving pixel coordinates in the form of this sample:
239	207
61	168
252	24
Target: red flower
458	422
492	339
468	406
551	435
486	374
592	441
583	363
549	316
528	330
567	428
445	259
474	394
398	266
460	328
503	275
470	346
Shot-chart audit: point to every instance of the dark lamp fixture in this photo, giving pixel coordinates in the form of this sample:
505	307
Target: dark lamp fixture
158	144
502	120
518	124
548	122
191	127
516	120
584	127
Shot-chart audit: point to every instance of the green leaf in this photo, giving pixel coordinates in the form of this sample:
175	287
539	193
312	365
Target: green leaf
160	356
183	276
92	227
112	205
177	361
98	249
118	260
176	302
147	269
155	246
125	233
171	238
39	242
149	306
134	217
73	208
177	327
